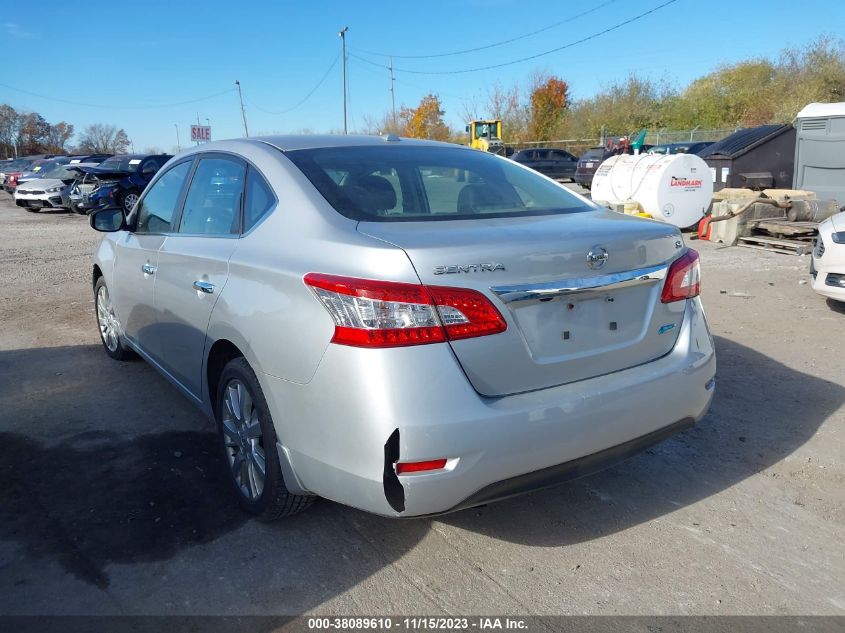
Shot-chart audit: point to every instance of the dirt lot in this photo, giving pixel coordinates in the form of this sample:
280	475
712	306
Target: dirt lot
111	500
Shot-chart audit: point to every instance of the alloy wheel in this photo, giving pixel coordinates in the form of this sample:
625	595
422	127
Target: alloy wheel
107	320
243	439
129	201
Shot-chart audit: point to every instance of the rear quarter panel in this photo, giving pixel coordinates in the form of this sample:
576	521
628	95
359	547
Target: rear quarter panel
266	309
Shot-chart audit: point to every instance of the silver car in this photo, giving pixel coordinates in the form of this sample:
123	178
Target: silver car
403	326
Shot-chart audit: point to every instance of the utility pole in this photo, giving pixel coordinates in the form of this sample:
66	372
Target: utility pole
243	112
198	123
392	91
178	146
342	35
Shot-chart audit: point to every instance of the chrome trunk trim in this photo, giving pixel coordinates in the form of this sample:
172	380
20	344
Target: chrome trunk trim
551	290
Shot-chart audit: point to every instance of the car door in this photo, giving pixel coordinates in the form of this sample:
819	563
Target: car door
564	164
543	162
193	264
136	259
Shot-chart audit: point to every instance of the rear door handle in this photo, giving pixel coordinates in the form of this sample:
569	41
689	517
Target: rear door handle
204	286
148	269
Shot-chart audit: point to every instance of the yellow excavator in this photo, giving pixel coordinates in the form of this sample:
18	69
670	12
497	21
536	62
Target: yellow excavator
486	135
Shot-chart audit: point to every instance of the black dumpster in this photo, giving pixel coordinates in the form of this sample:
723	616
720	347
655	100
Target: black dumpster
753	158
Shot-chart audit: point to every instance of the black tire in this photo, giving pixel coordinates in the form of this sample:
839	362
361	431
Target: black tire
274	499
116	348
126	197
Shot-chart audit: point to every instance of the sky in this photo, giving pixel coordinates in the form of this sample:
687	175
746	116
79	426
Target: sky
156	67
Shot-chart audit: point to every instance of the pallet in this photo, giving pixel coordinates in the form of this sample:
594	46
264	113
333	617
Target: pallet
784	228
788	247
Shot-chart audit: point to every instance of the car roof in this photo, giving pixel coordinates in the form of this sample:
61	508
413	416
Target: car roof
130	156
314	141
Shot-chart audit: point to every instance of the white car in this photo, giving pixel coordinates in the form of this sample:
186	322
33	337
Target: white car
827	268
46	192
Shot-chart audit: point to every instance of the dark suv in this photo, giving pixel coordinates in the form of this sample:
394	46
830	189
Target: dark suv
554	163
588	163
117	181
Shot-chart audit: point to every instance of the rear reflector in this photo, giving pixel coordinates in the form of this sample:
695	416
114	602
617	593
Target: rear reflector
371	313
403	468
683	281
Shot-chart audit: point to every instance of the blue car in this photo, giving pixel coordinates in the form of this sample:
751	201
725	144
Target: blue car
116	182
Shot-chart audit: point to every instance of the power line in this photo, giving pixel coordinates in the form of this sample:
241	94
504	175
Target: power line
307	96
117	107
494	44
524	59
399	81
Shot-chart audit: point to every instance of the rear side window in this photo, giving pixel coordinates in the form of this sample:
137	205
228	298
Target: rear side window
149	168
415	183
258	201
213	203
155	212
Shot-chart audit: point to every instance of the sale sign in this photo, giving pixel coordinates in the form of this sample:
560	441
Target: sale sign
201	133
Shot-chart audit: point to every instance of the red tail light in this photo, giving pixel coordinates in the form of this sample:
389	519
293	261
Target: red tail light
419	467
683	281
371	313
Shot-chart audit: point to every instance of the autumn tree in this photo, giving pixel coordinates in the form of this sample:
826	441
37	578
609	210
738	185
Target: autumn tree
100	138
548	102
426	120
32	133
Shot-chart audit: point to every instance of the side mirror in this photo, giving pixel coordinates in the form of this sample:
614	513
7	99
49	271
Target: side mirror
107	220
467	129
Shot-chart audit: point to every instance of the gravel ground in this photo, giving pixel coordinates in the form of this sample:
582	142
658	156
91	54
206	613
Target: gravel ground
111	500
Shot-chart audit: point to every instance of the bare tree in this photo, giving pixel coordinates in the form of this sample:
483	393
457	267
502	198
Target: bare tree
9	125
101	138
58	136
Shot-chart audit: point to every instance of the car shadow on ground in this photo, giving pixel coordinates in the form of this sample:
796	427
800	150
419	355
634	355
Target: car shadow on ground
104	462
761	413
836	306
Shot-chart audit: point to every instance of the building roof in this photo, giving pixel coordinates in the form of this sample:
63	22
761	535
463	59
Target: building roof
744	140
813	110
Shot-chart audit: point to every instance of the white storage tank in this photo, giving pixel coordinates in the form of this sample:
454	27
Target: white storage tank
676	189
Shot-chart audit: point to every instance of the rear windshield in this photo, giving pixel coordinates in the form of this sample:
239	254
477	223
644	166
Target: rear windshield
593	154
121	163
413	183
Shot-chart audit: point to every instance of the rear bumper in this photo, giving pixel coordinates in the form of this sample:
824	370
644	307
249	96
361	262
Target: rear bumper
575	469
583	179
335	429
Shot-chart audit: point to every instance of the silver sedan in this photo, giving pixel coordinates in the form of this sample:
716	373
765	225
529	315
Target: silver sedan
403	326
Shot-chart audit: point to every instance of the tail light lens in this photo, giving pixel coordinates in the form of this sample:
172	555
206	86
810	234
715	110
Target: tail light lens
371	313
683	280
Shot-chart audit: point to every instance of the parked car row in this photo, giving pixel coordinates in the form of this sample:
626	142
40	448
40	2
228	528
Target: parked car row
79	183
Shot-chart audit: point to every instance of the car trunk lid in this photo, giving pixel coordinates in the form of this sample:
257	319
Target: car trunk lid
567	321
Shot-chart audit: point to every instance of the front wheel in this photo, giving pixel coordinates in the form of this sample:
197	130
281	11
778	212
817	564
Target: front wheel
108	324
248	437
